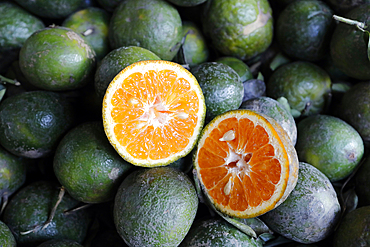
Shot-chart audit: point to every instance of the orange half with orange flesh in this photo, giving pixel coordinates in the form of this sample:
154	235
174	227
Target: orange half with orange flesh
153	112
245	163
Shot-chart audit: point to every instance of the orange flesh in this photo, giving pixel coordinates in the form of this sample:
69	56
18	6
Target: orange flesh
242	172
154	114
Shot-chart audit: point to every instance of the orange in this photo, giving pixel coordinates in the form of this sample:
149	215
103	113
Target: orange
153	112
245	163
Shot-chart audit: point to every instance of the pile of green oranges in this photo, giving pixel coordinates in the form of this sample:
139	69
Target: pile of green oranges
305	64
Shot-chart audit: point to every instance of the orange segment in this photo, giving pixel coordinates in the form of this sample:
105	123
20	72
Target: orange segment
153	112
243	164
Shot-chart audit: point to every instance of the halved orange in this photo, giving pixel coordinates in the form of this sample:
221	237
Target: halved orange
245	163
153	112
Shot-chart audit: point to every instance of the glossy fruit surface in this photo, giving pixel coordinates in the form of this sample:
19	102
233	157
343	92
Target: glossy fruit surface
305	85
221	85
16	25
155	207
234	32
32	123
57	59
329	144
6	236
348	46
87	165
154	25
355	109
56	9
304	29
93	24
29	209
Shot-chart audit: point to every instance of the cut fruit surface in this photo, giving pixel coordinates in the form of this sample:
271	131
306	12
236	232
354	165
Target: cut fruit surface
245	163
153	112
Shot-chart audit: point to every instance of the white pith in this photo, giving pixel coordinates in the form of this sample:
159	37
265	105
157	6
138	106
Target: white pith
156	113
242	168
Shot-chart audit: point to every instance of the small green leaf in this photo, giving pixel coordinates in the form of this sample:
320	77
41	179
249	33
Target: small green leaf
368	43
2	91
278	60
284	102
266	236
295	113
260	76
340	87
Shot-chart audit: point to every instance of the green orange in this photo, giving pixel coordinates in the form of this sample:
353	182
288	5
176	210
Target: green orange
56	9
353	229
304	28
93	24
16	25
330	144
155	25
30	208
349	47
242	29
32	123
216	232
57	59
6	236
221	86
305	85
311	211
155	207
87	165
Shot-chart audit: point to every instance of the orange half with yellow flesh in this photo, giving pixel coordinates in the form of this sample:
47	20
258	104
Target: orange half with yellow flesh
153	112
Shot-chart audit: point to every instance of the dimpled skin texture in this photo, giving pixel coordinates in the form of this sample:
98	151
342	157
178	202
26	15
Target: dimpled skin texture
348	48
305	85
32	123
87	165
354	229
31	207
310	212
57	59
151	24
95	19
217	233
155	207
12	172
16	25
55	9
221	86
239	28
6	237
304	29
330	144
355	109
